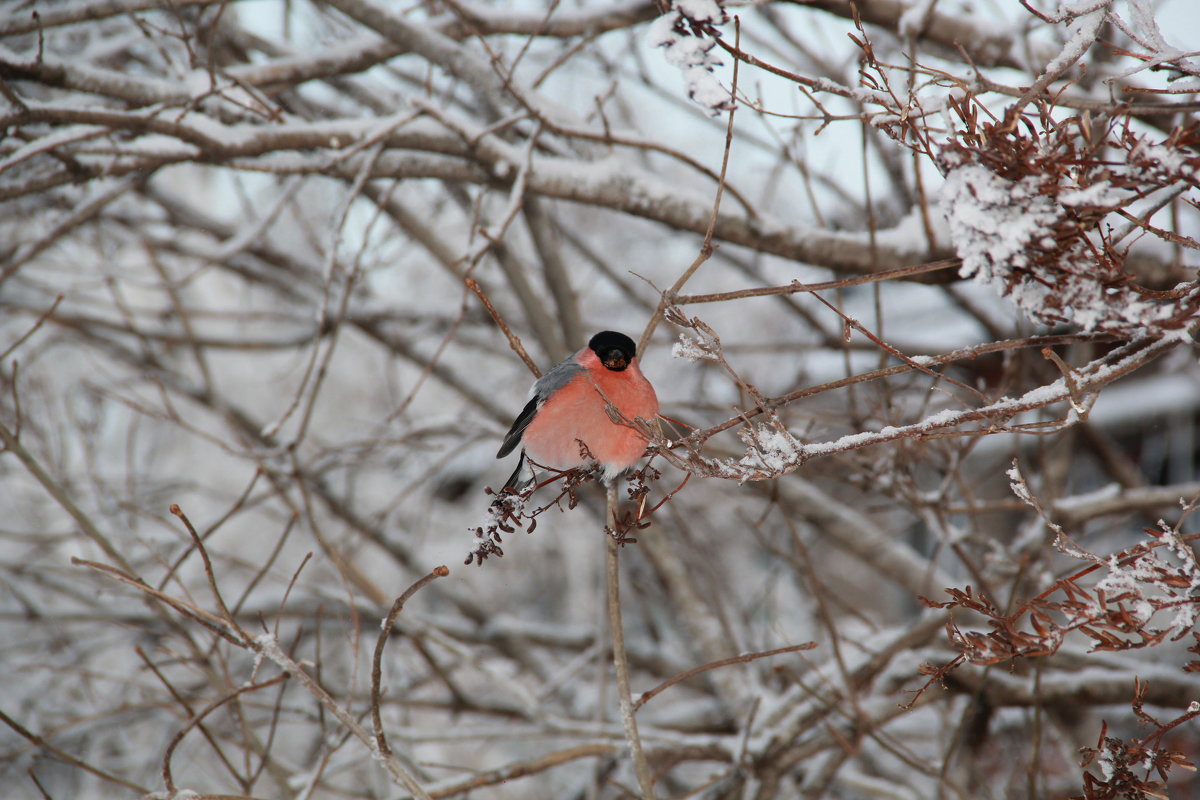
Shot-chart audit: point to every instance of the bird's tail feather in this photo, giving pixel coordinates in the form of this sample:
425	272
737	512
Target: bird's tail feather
516	483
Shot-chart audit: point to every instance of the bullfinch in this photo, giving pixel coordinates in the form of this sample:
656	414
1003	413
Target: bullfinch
564	425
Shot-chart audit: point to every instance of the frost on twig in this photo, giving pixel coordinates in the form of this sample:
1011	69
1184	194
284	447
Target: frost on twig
705	345
1114	612
1142	585
1062	542
772	451
511	511
685	34
1138	767
505	514
1035	218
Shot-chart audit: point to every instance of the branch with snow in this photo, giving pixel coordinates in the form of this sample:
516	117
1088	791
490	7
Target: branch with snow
1032	218
1115	612
774	452
685	35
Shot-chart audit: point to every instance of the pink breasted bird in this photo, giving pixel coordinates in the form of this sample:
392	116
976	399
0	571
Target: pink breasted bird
565	424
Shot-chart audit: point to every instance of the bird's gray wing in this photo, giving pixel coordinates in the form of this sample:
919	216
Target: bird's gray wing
555	378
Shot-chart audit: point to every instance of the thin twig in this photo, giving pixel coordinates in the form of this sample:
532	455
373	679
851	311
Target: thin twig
208	567
268	646
796	287
45	315
521	769
66	757
620	661
514	341
190	712
224	628
168	779
964	353
707	247
724	662
377	662
61	496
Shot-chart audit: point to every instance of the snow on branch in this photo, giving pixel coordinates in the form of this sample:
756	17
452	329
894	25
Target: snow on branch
773	451
1034	216
685	33
1152	582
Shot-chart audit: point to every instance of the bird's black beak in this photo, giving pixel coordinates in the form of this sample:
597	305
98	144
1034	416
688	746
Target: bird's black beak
615	360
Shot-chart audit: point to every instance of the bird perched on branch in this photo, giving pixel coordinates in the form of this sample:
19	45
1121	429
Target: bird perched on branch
566	425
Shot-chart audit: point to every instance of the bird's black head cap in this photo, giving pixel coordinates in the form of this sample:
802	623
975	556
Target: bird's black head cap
615	350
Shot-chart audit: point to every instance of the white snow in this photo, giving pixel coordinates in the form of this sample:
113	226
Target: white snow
913	18
1098	194
1004	232
691	52
701	10
1081	33
699	348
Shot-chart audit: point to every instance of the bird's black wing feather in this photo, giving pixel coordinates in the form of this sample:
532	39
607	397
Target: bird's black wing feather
515	483
513	437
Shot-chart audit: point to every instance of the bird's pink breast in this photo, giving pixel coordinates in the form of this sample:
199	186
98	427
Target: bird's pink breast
576	413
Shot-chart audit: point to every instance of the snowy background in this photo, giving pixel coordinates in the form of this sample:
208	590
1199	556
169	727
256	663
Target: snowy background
234	246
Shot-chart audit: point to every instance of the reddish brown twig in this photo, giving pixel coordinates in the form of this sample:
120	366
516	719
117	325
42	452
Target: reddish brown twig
514	341
745	658
377	660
